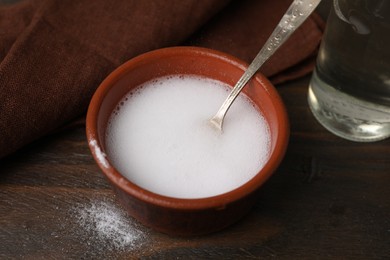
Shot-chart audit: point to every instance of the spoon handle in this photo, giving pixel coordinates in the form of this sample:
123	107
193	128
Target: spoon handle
295	15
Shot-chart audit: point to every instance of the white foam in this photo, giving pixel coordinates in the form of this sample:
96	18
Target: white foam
160	139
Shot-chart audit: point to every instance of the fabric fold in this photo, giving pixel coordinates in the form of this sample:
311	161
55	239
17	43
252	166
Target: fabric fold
66	48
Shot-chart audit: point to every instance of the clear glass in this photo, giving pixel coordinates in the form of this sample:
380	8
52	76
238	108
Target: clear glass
349	92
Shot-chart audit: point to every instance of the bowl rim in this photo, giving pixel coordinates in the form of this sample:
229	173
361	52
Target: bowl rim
219	201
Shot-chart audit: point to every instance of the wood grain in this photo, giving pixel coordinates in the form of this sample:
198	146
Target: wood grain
330	198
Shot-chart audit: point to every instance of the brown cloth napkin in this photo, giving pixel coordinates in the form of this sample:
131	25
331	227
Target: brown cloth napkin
54	53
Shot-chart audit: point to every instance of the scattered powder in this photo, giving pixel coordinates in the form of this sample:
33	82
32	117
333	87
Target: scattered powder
101	156
108	226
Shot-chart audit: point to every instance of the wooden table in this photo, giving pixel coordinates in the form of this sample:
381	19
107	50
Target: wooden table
330	198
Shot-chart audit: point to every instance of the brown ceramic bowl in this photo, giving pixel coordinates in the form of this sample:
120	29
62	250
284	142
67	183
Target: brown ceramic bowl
173	215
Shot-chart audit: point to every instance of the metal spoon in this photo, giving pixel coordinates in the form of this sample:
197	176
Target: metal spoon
295	15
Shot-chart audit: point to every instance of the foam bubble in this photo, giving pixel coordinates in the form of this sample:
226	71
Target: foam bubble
162	141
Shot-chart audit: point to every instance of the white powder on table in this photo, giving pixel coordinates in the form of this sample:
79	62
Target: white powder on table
108	226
